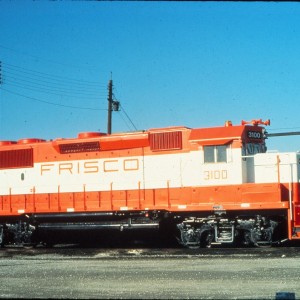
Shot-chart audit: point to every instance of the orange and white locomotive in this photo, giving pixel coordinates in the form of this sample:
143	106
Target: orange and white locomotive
207	185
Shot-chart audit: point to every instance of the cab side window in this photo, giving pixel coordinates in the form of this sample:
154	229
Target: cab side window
215	154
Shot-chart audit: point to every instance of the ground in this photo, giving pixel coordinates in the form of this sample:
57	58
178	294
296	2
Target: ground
142	273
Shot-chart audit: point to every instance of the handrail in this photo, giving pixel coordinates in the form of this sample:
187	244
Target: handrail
290	191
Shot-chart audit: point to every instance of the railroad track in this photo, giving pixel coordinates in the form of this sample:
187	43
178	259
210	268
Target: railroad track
74	251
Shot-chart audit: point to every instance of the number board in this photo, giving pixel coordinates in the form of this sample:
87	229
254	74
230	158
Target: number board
256	135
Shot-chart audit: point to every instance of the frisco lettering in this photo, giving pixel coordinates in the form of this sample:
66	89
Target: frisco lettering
86	167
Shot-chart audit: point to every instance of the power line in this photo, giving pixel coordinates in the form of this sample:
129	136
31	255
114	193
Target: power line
28	79
35	57
56	86
44	87
51	103
50	76
51	92
54	83
125	120
123	110
46	83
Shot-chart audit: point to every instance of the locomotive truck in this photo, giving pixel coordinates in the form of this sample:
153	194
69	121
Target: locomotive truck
203	185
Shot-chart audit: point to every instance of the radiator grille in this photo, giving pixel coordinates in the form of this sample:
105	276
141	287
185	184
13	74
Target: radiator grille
79	147
171	140
16	158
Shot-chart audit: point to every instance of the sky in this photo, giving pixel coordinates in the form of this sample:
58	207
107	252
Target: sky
194	64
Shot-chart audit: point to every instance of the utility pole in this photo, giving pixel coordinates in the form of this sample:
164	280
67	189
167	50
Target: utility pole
110	101
112	106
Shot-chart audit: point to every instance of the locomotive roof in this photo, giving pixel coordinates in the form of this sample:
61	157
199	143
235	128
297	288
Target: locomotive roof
219	135
204	136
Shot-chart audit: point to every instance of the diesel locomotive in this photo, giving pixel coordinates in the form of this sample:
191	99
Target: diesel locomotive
202	185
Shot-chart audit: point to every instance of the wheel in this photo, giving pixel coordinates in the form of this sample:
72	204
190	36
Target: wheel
206	239
189	237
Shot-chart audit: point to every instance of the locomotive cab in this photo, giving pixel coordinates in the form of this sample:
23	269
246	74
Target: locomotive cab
248	199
